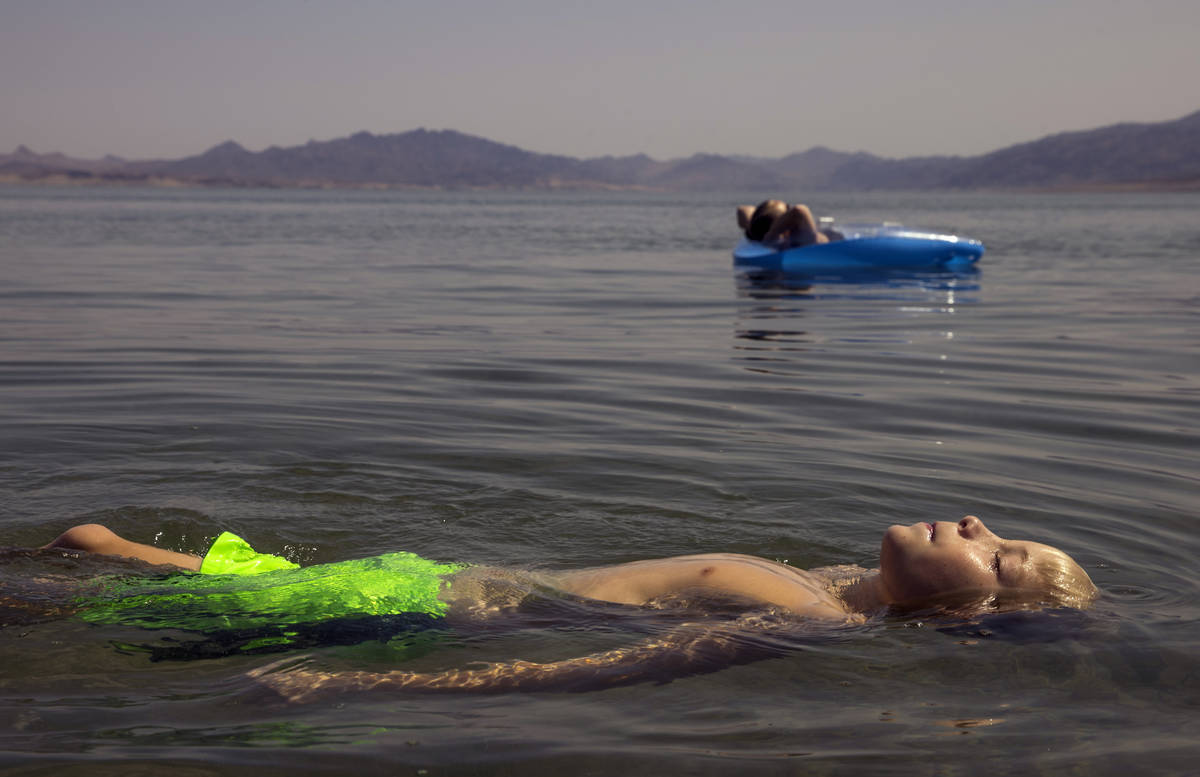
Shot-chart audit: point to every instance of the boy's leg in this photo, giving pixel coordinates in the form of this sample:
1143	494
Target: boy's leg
94	538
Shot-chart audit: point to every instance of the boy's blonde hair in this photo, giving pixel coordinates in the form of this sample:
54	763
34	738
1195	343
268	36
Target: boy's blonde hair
1061	581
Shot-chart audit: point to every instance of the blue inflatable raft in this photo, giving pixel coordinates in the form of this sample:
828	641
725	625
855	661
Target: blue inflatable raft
863	248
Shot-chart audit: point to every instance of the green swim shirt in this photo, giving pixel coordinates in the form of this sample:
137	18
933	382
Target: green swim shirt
238	588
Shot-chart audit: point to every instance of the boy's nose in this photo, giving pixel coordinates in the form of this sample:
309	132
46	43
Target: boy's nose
971	527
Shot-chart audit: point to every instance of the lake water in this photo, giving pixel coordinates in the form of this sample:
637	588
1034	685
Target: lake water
562	380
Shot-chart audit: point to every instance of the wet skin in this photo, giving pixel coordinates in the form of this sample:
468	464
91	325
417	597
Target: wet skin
758	579
925	560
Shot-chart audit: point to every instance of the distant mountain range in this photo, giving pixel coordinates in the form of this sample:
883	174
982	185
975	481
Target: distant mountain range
1163	155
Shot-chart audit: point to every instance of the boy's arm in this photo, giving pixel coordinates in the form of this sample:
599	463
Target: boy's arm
744	212
691	649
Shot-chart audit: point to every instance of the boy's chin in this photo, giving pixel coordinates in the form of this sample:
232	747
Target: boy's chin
955	604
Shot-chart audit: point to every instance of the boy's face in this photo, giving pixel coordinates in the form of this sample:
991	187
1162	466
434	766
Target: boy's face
927	560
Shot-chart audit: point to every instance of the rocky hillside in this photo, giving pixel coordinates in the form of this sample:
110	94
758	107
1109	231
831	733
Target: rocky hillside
1159	155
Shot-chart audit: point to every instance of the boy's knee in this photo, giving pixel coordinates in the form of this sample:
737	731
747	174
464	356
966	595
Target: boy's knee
91	537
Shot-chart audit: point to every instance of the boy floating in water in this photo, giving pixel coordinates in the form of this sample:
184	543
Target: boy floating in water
920	565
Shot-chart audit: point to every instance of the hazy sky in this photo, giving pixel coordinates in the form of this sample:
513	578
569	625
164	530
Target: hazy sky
168	78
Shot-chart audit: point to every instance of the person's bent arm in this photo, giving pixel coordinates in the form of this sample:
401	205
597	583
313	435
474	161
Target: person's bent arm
798	223
744	213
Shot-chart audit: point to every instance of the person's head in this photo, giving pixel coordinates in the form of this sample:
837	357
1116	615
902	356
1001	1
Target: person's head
926	562
763	217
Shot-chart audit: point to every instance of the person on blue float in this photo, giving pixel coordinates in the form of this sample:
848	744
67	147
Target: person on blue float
775	223
962	567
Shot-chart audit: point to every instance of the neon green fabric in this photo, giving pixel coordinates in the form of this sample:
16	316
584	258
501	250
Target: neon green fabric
232	555
253	596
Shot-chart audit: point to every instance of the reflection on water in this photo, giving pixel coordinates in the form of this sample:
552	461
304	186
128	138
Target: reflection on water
780	301
756	283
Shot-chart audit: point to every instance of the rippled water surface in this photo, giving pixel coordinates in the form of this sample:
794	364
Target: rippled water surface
578	379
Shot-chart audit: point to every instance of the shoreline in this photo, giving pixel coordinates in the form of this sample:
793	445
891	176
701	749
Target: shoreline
80	179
